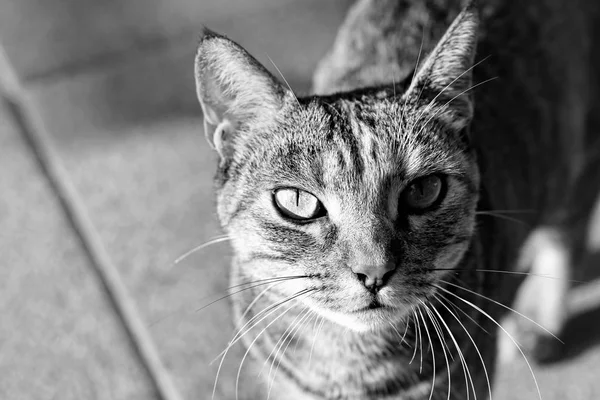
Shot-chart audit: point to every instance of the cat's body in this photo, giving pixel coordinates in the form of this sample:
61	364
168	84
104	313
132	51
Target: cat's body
541	116
367	256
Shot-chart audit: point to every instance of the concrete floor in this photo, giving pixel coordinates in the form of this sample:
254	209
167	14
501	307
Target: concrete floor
113	85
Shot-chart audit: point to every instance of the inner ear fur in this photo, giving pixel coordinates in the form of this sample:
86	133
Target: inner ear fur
446	73
233	89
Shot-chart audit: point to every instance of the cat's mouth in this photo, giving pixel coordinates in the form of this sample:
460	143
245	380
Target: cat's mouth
375	304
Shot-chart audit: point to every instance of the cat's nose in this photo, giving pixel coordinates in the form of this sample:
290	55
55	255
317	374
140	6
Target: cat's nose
374	277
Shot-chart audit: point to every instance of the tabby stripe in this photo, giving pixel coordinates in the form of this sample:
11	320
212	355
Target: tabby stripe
344	138
259	255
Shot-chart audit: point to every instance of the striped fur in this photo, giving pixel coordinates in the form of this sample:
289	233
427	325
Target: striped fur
357	147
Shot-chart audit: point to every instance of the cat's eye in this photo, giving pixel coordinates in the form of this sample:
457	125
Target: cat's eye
423	193
297	204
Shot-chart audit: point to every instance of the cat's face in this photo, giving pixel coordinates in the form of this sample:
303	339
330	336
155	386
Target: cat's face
370	195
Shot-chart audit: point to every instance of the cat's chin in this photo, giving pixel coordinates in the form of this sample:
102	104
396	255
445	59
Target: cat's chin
376	320
365	320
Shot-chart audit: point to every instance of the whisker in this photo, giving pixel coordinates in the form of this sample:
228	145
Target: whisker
520	273
267	280
294	332
256	299
241	331
442	108
522	211
428	107
188	253
255	320
250	347
312	347
416	69
421	342
315	318
441	332
254	341
283	77
277	346
305	320
442	344
437	326
264	282
499	326
457	308
432	353
406	331
281	339
503	306
500	216
416	337
271	309
412	80
460	353
398	333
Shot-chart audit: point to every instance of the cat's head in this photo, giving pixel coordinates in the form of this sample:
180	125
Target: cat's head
370	194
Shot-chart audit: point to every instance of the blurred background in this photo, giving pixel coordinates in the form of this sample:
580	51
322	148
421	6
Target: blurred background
110	88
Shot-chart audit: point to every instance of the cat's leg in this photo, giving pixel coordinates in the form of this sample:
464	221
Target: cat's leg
546	256
551	255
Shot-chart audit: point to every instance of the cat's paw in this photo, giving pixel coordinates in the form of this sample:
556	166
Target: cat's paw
541	298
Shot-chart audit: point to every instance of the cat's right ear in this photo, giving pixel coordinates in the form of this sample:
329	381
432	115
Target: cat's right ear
233	89
446	74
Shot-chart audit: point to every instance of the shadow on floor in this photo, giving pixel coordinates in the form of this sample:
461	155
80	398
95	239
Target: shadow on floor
581	333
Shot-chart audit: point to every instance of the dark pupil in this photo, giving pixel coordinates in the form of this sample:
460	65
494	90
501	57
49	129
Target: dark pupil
423	192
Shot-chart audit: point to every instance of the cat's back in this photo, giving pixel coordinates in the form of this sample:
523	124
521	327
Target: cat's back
531	118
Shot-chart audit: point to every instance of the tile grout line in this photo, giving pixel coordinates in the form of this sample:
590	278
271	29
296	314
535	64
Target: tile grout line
37	138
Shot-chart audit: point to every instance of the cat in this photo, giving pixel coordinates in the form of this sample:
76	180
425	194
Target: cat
365	219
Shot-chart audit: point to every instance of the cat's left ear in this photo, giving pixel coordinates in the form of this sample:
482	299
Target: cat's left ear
233	89
446	73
